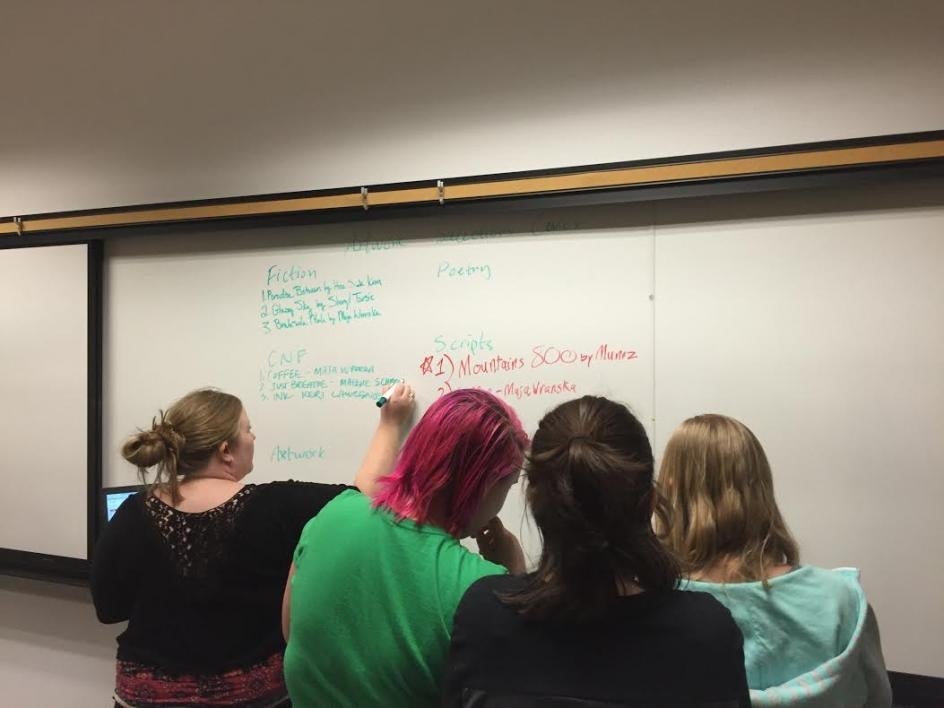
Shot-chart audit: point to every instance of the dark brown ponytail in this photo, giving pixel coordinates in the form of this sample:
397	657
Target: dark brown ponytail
591	491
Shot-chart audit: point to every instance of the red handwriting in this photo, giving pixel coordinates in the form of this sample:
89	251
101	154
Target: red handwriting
518	391
426	367
546	355
604	353
450	370
535	388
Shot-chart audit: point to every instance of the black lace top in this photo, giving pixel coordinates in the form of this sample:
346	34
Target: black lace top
198	543
202	592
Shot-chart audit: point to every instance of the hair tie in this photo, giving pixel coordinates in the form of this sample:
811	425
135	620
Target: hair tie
168	434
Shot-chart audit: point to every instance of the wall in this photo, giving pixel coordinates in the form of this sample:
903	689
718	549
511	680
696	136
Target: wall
109	103
53	652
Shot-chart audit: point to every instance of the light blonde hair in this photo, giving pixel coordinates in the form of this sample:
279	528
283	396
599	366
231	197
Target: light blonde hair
182	440
717	479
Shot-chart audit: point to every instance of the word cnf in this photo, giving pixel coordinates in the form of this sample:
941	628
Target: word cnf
447	269
292	357
469	342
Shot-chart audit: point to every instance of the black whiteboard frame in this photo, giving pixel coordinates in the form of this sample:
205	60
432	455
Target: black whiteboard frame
25	563
44	566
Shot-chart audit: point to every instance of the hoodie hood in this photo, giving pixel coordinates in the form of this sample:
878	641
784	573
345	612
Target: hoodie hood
810	638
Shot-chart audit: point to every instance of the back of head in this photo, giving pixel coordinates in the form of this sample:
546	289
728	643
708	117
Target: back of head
719	485
591	491
183	439
466	441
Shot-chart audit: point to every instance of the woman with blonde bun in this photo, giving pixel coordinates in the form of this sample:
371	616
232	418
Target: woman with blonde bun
196	564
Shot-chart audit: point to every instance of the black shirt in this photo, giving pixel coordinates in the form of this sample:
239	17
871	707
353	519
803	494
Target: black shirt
653	649
202	591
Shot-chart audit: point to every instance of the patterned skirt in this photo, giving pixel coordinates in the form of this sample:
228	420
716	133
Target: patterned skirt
259	686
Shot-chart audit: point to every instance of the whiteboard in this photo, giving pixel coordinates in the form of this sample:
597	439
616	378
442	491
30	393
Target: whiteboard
817	322
812	317
308	324
44	399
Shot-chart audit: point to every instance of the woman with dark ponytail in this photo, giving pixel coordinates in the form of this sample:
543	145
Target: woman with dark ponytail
600	621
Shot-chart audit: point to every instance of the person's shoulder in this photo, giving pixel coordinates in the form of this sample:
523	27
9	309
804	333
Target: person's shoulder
345	497
131	509
702	609
482	604
693	601
698	621
336	517
490	586
828	577
291	487
289	493
476	580
469	566
134	502
840	586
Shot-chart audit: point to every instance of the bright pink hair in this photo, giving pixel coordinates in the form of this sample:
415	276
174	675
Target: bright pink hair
465	442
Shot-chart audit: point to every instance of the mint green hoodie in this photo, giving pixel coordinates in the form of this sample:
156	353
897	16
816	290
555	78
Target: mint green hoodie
810	638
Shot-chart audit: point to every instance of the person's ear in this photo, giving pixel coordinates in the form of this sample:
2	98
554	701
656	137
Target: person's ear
226	452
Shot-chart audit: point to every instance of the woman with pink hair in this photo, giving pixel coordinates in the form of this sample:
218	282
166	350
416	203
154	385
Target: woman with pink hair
375	582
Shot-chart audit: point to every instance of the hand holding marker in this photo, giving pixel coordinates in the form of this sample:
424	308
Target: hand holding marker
389	392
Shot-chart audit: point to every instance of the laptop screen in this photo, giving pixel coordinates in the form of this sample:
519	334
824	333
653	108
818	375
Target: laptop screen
115	496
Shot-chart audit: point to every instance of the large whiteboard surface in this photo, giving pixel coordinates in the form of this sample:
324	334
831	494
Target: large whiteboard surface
309	324
814	318
822	332
44	399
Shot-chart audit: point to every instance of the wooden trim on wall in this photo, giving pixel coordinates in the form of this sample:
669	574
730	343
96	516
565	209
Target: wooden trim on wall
712	169
869	152
158	215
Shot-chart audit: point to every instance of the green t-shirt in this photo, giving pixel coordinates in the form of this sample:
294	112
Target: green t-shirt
373	602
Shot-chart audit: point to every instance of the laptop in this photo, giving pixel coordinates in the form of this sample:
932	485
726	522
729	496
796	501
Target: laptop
113	497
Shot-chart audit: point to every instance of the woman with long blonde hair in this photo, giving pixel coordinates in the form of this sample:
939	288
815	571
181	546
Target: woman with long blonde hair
810	637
